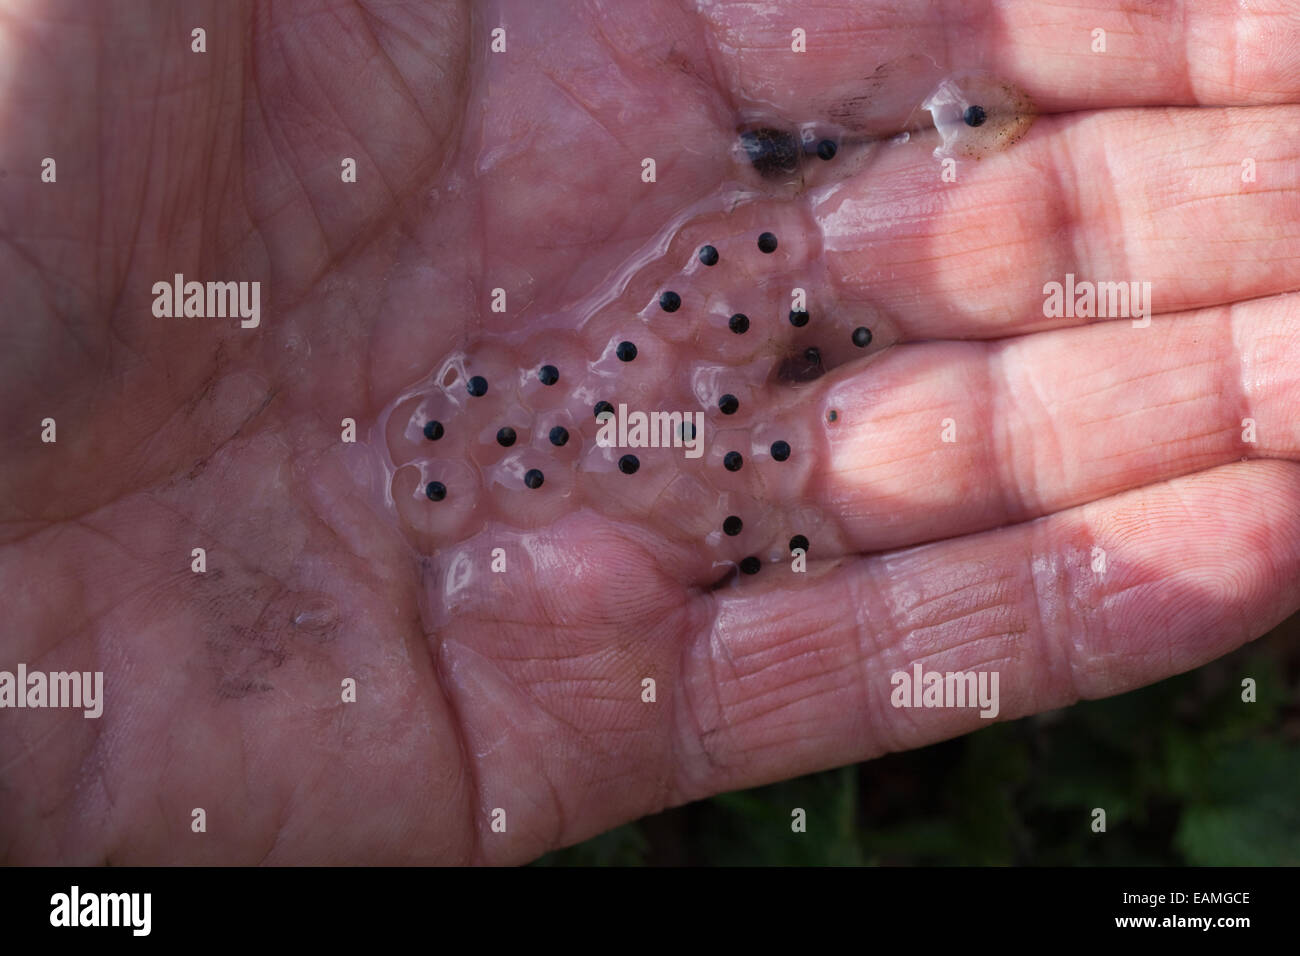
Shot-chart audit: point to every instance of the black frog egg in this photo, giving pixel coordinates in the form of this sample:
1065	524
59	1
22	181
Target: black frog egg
773	153
977	114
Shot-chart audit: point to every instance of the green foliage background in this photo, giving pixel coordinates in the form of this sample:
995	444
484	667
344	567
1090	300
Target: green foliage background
1187	774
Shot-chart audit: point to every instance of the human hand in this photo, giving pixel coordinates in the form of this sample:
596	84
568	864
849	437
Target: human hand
1097	522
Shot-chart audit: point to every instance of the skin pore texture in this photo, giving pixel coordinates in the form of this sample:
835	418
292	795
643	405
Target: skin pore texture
522	171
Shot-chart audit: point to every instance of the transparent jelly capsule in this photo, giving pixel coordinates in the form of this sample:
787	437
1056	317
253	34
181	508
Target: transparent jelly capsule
977	114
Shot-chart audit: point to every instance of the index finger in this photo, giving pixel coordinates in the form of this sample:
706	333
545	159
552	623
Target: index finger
1093	54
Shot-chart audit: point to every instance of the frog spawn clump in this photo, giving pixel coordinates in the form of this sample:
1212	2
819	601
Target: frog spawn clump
484	418
974	114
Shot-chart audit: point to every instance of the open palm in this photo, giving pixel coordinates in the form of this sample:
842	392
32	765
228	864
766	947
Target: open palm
1097	521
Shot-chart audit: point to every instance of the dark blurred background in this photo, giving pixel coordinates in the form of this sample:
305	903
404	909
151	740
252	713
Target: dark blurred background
1186	772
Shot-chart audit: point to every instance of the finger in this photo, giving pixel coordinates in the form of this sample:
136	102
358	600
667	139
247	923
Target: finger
936	440
1211	54
796	676
1185	208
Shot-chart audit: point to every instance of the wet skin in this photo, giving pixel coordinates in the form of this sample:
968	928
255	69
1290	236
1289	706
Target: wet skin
522	690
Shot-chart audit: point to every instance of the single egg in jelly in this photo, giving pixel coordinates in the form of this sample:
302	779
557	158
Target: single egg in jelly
977	114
